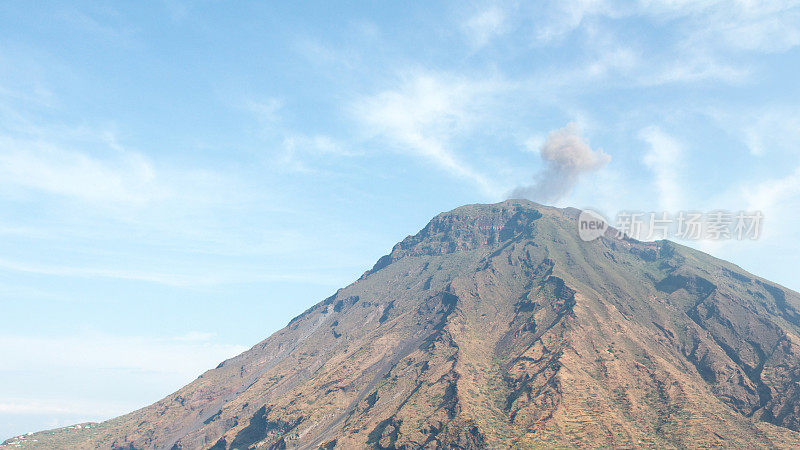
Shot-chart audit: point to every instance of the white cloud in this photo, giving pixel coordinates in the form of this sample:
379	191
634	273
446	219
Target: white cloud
555	20
761	26
534	143
67	379
486	24
610	63
82	272
771	34
718	27
265	111
769	130
98	24
701	40
292	150
200	277
628	64
664	158
691	69
120	177
773	130
32	406
298	149
316	144
184	356
771	194
425	115
613	59
85	180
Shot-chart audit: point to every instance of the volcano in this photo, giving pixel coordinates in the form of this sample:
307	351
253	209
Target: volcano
496	326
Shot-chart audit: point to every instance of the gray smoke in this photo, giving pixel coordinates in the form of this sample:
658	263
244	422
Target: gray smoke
567	156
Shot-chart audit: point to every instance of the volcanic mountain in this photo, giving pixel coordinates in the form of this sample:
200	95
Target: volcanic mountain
496	326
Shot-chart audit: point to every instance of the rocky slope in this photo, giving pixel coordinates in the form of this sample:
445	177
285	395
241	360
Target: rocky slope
495	326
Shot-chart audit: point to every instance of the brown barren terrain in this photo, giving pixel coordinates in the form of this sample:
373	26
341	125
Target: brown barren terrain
496	326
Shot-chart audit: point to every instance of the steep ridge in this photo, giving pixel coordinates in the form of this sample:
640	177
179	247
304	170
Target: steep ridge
497	326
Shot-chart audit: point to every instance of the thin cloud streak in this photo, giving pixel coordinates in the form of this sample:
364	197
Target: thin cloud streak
664	158
128	178
170	279
425	115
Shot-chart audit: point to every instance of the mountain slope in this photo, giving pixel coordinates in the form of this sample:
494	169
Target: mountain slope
496	326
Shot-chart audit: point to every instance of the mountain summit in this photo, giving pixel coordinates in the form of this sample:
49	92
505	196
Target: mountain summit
496	326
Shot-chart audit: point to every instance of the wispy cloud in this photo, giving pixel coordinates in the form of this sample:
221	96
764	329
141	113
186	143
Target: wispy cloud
267	112
772	193
297	150
86	179
554	20
484	25
160	364
200	277
103	23
292	150
122	177
703	41
425	115
743	25
185	355
691	69
770	131
88	165
721	24
664	158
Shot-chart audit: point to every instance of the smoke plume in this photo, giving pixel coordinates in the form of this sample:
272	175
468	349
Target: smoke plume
567	156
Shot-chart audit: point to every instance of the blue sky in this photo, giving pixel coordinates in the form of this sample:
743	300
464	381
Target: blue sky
178	180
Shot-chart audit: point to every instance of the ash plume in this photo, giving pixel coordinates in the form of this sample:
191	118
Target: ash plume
567	157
